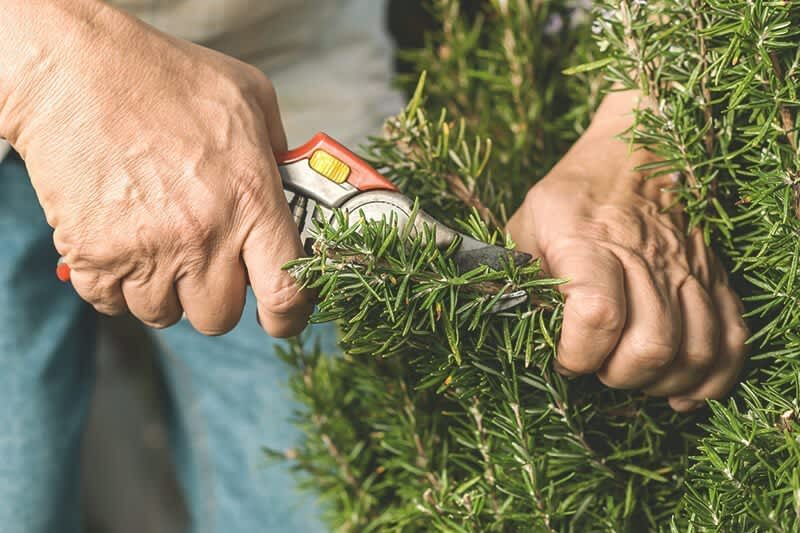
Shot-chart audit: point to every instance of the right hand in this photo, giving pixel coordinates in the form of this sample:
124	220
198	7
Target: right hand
647	306
153	160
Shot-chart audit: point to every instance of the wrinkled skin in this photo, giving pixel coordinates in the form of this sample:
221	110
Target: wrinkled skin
152	158
647	306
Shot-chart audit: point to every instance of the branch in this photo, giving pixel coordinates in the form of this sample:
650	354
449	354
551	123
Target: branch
707	107
490	475
787	122
344	466
422	462
787	117
528	467
471	199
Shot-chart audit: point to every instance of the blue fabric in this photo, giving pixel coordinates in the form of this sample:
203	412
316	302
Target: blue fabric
46	344
229	397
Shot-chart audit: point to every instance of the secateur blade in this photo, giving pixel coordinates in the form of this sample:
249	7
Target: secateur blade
473	253
510	301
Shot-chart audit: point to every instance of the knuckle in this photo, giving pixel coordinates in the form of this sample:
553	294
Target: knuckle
286	301
200	228
108	306
151	308
62	241
600	313
700	361
252	198
652	354
95	288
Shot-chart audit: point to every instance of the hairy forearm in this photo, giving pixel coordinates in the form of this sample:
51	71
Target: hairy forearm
39	37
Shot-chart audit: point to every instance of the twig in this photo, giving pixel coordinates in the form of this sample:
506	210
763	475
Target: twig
578	435
528	467
480	432
787	122
471	199
344	466
707	106
422	457
787	117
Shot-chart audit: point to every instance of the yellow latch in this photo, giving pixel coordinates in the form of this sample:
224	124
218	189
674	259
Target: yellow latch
330	167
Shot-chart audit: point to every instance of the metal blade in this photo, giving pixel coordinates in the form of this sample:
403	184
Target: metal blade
472	253
510	301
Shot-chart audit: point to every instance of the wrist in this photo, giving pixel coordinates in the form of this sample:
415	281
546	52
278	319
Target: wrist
616	113
602	159
41	39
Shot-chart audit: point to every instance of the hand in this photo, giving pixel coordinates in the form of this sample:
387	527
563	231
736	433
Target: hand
647	306
153	160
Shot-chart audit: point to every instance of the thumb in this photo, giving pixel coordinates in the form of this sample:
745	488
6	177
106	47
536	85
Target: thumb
595	308
283	308
520	229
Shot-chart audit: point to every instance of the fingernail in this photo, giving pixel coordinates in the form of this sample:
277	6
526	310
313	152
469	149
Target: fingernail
685	405
563	371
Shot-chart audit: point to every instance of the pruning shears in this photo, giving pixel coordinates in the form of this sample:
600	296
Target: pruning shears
322	175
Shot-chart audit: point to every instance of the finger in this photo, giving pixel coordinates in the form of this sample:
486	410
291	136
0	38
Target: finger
652	332
733	350
153	301
703	263
214	298
519	230
595	309
698	348
283	308
102	291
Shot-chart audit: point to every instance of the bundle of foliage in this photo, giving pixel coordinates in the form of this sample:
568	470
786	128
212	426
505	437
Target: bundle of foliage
442	415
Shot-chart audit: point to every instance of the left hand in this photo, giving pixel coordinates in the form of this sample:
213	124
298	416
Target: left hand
648	306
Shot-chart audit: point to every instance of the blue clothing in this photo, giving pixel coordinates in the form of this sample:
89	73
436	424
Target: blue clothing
229	398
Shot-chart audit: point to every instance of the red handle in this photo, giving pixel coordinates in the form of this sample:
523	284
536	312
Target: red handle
63	272
357	171
361	175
